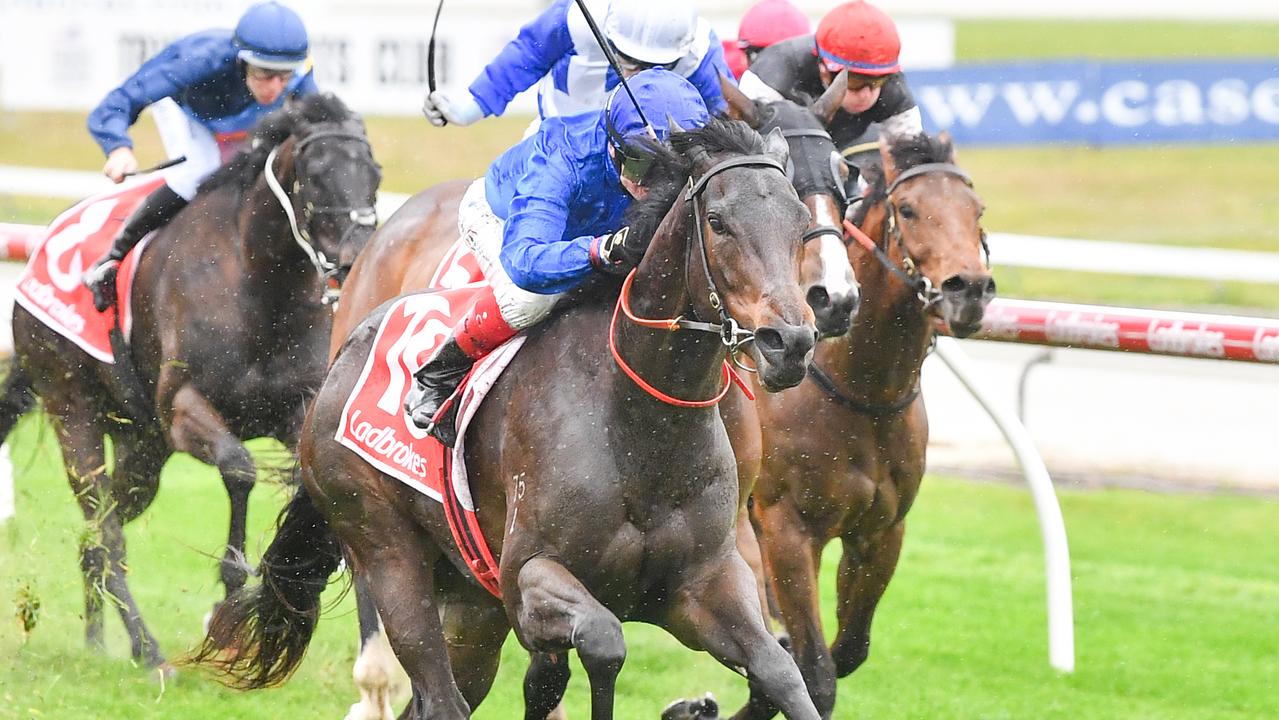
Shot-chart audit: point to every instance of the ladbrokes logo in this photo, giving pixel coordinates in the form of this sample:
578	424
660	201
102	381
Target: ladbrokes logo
1177	339
1265	345
383	441
1075	328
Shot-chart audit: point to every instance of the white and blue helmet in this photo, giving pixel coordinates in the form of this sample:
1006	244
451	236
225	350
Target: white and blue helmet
270	35
654	32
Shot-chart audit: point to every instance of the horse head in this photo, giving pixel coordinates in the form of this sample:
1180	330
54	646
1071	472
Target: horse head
928	220
818	173
742	225
321	157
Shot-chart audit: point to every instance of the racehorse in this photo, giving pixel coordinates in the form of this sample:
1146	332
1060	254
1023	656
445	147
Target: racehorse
635	523
405	252
228	341
843	454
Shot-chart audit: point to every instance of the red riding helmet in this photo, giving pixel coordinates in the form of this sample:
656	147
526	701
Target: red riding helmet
771	21
860	37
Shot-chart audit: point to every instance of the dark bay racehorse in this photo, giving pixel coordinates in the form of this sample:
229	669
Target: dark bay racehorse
635	523
229	341
843	454
403	255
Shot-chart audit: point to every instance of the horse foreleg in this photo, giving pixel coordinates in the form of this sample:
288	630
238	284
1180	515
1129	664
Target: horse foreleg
556	612
377	673
718	610
197	428
792	561
864	573
400	580
102	548
544	684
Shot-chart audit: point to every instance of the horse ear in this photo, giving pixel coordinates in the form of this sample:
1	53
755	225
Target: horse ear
672	126
775	146
886	159
829	103
948	142
740	107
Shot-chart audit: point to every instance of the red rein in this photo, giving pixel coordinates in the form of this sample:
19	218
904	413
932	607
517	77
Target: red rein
624	305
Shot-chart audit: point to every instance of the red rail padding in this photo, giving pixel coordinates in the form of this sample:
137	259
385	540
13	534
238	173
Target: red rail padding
1160	332
17	242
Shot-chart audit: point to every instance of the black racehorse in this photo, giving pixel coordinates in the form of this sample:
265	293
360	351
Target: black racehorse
229	341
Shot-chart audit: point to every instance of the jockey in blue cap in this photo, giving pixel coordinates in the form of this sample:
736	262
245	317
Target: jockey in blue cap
206	91
545	216
558	49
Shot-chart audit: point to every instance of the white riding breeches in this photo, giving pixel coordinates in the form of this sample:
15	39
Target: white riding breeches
184	135
481	230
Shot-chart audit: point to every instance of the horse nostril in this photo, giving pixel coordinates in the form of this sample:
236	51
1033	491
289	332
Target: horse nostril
769	340
990	286
954	284
818	297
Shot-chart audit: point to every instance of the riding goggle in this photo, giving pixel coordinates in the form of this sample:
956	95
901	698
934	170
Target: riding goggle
634	165
259	73
631	66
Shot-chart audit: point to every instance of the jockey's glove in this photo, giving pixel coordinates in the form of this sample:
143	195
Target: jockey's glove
441	110
617	252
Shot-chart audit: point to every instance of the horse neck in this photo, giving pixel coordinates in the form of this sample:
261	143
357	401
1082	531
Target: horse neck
273	261
685	364
879	360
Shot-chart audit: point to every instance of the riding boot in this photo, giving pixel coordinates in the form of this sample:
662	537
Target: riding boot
478	333
157	209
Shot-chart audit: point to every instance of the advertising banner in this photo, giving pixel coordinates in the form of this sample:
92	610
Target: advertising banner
1102	103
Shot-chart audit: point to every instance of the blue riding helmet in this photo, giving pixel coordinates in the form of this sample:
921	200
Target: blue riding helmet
666	98
271	36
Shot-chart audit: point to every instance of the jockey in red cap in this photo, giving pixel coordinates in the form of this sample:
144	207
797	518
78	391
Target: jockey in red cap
856	37
766	23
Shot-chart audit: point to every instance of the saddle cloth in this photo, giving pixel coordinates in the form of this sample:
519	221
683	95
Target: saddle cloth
50	286
375	427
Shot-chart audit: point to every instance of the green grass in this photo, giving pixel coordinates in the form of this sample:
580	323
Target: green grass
1176	598
977	40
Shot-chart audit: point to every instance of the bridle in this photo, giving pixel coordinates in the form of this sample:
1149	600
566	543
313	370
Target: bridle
360	216
731	335
908	271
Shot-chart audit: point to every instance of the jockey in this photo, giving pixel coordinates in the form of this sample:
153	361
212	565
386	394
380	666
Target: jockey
206	90
558	49
544	217
857	37
766	23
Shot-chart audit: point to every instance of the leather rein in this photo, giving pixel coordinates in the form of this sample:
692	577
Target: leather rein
360	216
731	335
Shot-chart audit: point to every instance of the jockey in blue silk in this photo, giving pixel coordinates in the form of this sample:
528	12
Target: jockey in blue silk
544	217
206	91
558	52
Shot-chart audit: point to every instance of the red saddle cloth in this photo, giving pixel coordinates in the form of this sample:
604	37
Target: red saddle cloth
374	424
50	286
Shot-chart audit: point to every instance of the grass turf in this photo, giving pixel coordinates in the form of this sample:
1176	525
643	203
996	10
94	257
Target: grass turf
1176	600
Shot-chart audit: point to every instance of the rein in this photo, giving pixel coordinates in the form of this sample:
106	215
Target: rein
908	271
732	335
361	216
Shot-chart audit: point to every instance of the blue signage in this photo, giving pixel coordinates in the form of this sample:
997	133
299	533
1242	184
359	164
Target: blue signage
1102	103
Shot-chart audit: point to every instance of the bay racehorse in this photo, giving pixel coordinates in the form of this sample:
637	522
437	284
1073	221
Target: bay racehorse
843	454
405	252
634	523
229	341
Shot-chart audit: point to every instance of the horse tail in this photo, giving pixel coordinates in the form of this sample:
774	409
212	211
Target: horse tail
258	637
16	397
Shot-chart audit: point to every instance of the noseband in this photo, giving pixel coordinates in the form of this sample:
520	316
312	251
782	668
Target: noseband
360	216
732	335
908	271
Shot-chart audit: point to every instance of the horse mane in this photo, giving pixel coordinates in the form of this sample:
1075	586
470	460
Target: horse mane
907	152
674	164
241	171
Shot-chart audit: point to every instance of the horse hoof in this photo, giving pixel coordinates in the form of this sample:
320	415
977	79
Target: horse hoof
705	709
164	672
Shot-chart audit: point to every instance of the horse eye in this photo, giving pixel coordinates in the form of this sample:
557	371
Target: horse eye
907	212
717	225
